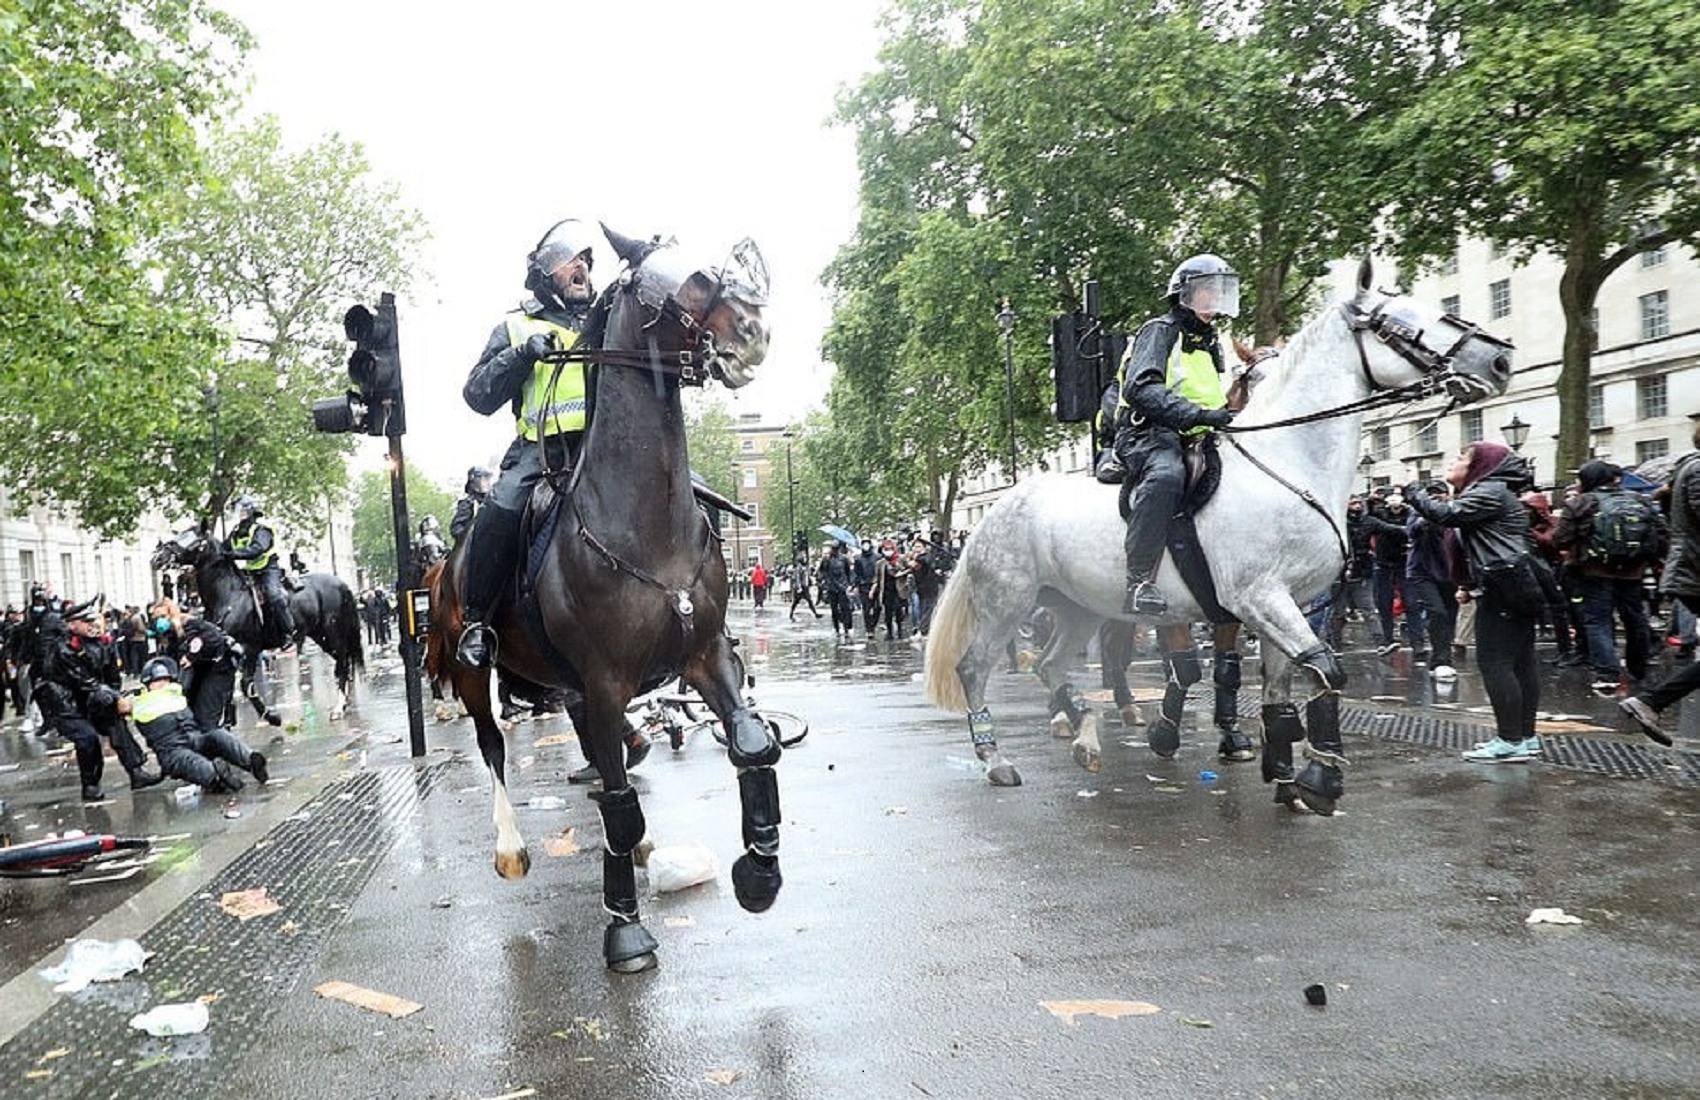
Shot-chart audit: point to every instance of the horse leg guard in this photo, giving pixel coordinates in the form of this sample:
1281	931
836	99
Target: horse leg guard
627	946
1281	728
1068	707
1321	785
1225	672
1324	664
749	742
999	771
1164	735
755	874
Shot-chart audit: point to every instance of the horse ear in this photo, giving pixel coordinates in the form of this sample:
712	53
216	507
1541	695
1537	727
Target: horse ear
1366	274
1243	350
628	249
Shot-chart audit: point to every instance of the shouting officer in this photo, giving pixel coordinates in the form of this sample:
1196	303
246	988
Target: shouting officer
549	402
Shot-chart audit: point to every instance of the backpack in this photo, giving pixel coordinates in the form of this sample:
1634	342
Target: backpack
1625	531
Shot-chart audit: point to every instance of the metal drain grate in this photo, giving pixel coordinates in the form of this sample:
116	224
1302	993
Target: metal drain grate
315	866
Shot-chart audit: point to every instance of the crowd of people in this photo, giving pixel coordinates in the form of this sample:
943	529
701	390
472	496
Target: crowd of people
890	583
84	673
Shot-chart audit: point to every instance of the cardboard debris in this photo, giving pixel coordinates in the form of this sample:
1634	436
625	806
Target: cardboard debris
245	905
371	1000
1066	1011
554	739
564	845
724	1076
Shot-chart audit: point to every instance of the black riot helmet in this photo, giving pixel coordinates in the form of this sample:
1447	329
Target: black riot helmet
159	668
477	480
549	271
1206	285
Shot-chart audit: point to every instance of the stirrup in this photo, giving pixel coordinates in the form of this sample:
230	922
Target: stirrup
477	647
1144	599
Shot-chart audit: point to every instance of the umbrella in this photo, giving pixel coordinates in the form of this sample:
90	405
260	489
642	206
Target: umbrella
841	534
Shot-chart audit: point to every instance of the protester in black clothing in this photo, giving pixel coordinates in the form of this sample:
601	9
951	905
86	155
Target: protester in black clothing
836	582
1681	581
79	698
1386	525
865	566
801	578
1493	527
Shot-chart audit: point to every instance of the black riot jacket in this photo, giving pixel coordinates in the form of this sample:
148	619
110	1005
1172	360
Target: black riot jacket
1146	396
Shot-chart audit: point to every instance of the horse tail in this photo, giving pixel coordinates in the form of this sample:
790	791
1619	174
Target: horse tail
948	635
351	640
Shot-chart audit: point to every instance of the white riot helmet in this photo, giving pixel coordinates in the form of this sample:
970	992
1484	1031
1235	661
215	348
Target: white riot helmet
1206	284
549	271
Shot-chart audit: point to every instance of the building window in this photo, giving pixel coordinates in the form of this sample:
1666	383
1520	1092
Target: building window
1381	444
1596	406
1449	304
750	481
1449	266
748	445
1428	440
26	568
67	577
1654	257
1499	299
1650	397
1470	426
1649	449
755	512
1655	315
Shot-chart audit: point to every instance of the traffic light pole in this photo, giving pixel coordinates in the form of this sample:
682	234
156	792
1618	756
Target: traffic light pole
406	581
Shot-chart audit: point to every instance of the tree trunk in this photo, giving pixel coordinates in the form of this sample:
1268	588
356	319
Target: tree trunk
1578	289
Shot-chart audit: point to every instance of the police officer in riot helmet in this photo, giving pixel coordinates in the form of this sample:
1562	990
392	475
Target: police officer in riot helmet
549	404
1172	397
472	498
254	550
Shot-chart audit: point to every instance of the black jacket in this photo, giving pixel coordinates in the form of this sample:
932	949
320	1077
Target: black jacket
1145	371
500	374
79	676
1492	523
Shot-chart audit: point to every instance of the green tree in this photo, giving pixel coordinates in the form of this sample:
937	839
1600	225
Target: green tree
99	112
710	432
1554	126
374	523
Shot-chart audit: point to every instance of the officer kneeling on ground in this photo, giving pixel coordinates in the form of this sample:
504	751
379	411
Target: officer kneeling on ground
186	751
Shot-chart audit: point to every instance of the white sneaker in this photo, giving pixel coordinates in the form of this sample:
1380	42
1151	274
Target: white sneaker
1444	672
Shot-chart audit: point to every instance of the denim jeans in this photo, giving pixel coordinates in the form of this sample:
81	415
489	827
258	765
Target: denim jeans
1605	600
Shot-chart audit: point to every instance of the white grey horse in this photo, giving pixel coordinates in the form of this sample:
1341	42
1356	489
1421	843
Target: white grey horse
1273	533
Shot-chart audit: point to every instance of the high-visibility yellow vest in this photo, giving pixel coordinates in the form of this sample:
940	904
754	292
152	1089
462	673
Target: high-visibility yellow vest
1194	376
158	702
253	565
547	409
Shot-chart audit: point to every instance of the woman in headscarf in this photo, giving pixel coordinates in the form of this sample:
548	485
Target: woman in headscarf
1493	527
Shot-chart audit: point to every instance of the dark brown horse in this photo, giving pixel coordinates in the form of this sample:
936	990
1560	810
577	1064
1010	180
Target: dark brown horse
630	590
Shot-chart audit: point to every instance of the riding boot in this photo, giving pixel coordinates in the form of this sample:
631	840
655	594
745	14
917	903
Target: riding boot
490	565
1147	529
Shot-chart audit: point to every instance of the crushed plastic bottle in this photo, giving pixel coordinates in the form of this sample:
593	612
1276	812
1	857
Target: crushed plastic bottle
1207	776
189	1018
546	802
679	866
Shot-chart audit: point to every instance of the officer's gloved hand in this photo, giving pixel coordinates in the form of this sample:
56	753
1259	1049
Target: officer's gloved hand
538	346
1216	418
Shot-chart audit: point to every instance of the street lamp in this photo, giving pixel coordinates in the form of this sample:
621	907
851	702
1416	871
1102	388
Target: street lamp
1365	465
1516	432
1006	322
737	524
791	498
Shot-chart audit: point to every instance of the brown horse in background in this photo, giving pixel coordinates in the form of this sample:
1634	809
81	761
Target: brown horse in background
626	587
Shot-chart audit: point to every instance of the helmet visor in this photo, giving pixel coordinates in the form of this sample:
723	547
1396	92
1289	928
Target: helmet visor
1215	295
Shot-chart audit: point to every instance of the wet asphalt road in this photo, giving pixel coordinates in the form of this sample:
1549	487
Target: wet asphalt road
932	927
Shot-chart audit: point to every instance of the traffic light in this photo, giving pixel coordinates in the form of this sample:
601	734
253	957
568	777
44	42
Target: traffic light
375	404
800	542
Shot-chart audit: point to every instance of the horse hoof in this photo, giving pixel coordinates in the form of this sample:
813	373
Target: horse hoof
1131	716
637	747
1060	725
513	865
1087	757
756	882
1235	748
1288	795
1320	788
627	947
1004	775
1164	738
273	718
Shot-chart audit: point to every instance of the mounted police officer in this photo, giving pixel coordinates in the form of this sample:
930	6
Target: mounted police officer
1172	396
254	551
466	508
550	404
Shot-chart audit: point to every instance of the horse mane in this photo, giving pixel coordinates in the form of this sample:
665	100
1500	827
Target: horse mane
1279	370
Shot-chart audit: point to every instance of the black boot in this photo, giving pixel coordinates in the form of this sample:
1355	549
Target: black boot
141	779
490	562
1143	598
257	766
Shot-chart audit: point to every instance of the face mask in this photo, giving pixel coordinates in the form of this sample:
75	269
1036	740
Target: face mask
162	626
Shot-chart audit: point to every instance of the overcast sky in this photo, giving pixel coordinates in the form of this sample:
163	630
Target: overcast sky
706	121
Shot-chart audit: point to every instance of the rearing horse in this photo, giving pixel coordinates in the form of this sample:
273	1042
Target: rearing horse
1273	533
325	610
630	589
